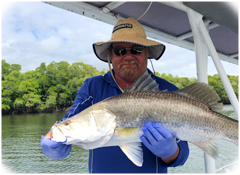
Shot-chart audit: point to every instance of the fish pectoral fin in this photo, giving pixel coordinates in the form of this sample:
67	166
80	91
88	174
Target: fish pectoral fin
103	139
106	138
134	152
209	146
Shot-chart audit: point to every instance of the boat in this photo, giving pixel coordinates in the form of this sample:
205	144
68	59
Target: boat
202	27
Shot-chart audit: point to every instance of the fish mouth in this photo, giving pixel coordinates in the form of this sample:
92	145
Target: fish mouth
58	134
58	128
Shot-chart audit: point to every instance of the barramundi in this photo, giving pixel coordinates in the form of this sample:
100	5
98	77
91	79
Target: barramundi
189	114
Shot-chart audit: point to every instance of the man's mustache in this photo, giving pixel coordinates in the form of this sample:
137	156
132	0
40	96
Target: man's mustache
128	62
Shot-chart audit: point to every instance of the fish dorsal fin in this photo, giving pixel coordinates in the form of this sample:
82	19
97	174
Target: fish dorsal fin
144	82
134	152
204	93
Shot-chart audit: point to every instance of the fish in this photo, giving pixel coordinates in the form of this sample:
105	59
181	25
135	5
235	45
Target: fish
190	114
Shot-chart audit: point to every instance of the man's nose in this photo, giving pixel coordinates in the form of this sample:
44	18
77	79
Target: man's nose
128	54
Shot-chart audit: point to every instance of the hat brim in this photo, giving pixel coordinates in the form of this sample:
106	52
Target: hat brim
156	49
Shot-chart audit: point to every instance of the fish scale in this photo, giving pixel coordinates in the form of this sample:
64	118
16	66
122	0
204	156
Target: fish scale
153	104
162	107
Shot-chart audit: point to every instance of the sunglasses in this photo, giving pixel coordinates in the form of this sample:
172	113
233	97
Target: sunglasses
120	51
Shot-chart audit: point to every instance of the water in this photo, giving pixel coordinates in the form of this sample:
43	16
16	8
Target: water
22	152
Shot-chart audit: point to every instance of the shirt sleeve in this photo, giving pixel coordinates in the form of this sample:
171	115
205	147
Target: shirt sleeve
182	157
82	101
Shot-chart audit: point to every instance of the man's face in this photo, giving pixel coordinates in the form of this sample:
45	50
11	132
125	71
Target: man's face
128	66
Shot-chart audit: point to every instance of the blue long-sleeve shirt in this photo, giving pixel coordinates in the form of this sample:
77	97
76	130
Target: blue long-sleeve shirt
112	159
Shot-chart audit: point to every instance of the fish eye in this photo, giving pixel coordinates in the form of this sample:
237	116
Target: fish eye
67	122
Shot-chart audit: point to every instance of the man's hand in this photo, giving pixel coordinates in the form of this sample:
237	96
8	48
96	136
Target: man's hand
54	150
160	142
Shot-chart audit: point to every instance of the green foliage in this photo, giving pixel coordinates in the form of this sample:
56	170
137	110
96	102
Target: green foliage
214	81
28	86
19	103
54	86
10	83
31	99
6	101
48	88
180	82
5	69
15	67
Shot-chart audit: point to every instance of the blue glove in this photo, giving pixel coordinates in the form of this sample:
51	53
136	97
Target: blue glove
54	150
158	140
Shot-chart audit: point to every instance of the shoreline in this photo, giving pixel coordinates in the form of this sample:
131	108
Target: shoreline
225	102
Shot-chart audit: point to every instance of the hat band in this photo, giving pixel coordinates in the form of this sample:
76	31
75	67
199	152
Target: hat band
122	26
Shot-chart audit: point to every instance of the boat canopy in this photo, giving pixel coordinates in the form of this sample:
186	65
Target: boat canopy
168	21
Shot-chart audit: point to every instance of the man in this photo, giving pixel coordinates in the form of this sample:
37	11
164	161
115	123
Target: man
129	50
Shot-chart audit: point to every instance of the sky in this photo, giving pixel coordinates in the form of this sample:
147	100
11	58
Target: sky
35	32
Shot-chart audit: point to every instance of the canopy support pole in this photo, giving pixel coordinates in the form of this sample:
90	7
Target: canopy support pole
222	74
201	65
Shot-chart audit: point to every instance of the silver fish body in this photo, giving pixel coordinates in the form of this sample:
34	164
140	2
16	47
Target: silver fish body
177	113
117	121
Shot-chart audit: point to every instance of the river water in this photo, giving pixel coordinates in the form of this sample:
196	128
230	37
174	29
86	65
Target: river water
22	153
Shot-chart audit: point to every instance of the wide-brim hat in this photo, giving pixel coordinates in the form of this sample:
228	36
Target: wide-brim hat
129	31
